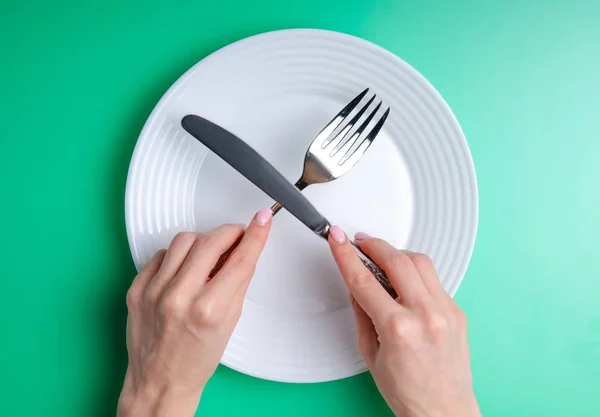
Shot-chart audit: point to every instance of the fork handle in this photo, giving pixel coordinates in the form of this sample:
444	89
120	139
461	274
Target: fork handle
377	272
275	208
223	258
300	184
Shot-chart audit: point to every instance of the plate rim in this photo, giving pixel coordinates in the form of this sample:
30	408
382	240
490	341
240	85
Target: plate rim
267	37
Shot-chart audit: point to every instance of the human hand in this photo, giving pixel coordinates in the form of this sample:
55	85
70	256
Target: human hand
180	321
416	346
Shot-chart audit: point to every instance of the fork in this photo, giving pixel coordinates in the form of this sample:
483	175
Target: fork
323	163
331	156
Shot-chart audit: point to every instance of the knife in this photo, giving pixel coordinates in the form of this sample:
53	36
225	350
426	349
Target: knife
261	173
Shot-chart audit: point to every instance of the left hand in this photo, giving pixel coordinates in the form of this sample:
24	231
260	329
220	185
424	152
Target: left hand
180	321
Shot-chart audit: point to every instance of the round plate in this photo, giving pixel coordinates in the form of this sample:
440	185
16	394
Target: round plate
415	186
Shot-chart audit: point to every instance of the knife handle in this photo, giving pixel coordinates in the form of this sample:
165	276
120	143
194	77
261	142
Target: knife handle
377	272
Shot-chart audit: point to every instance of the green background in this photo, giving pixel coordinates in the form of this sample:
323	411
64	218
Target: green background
78	80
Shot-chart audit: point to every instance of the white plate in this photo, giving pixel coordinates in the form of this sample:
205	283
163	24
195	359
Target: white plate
415	187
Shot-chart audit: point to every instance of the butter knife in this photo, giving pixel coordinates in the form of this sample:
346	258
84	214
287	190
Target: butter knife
244	159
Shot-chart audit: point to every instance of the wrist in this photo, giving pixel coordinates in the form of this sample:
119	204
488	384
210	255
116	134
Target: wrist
465	408
152	401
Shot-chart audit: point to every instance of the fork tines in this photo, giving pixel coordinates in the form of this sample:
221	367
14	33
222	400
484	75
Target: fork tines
336	136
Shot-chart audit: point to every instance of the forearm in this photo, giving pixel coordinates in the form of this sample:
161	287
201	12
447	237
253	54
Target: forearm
163	407
153	402
467	408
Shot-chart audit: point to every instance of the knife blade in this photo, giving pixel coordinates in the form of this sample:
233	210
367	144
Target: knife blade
244	159
257	169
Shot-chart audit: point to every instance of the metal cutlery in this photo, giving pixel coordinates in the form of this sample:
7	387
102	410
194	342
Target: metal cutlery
330	155
261	173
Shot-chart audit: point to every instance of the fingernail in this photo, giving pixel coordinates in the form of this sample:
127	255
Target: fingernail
337	234
264	216
361	236
243	225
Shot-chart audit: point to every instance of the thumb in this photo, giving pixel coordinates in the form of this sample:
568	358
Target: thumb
364	287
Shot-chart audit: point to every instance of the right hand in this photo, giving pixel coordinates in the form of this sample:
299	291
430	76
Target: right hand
415	346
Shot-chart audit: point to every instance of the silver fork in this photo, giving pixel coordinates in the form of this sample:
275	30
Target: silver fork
329	157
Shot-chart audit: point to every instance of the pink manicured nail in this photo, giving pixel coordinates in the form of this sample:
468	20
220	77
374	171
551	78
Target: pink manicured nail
264	216
337	234
361	236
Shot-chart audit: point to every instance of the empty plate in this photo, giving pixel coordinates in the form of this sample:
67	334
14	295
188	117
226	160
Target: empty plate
415	186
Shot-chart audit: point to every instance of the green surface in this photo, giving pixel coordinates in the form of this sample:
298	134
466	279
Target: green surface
78	80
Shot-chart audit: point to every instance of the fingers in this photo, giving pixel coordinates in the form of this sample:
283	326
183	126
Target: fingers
176	254
429	275
201	259
367	336
369	294
138	286
400	270
235	275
